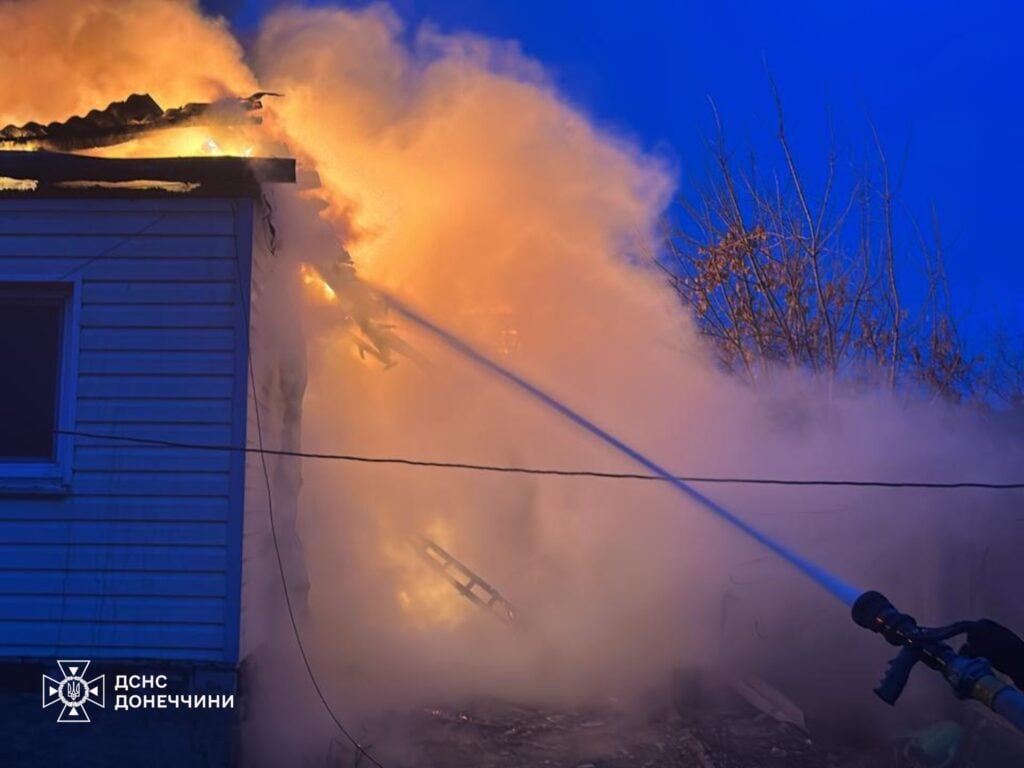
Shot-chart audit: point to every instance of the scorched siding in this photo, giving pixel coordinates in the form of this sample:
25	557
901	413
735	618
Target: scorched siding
140	556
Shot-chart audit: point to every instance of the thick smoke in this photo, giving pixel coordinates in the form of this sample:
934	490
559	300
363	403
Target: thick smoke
66	57
462	182
448	171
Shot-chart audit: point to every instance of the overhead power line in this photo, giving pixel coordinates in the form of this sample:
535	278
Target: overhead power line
108	252
552	472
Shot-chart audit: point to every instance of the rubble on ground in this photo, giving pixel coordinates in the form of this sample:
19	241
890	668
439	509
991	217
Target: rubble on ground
493	734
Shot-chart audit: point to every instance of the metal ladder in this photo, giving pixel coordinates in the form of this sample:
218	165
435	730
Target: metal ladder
466	582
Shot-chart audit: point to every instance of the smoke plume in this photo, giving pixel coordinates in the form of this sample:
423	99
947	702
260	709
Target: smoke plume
448	170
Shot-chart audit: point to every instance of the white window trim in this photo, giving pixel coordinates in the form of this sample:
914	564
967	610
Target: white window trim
52	477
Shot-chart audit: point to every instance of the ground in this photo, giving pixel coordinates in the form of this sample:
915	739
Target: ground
498	734
488	734
507	736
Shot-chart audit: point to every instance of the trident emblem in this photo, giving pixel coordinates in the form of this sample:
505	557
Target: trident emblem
74	691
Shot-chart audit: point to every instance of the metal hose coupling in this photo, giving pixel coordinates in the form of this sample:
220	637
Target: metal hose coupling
974	679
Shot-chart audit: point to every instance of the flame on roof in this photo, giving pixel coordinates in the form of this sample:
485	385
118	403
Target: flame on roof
122	121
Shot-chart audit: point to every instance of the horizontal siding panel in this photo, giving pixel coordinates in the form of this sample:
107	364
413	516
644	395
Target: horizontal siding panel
178	362
110	533
106	608
154	386
157	339
118	508
112	583
134	560
42	633
149	316
97	557
120	223
126	204
120	268
192	434
149	459
95	652
159	293
152	483
156	409
114	248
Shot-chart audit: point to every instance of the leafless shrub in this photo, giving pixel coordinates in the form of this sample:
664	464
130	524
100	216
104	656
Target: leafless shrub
777	273
1001	381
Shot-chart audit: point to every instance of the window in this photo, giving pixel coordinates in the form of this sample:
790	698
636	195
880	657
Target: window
33	344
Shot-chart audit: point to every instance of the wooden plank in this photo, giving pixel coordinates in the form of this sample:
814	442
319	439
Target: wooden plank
107	608
768	700
169	361
118	268
87	634
157	339
110	533
148	316
140	386
111	583
151	483
120	292
119	223
64	509
62	166
99	557
112	247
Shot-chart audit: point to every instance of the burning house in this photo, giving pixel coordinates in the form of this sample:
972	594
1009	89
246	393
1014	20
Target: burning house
453	318
125	292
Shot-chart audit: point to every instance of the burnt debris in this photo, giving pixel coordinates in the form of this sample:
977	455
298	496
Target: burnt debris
123	121
39	160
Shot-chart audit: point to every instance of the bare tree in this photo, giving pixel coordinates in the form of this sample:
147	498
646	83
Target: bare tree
1002	376
777	273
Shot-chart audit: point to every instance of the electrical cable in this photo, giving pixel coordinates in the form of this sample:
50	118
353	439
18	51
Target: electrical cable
106	252
546	471
263	452
284	582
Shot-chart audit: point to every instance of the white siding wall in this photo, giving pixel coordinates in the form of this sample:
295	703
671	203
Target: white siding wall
141	558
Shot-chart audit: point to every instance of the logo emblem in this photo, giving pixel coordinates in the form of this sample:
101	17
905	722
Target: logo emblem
74	691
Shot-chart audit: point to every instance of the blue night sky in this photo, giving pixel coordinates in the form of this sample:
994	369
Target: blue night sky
941	79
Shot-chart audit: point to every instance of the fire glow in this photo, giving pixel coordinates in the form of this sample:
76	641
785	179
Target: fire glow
454	175
318	290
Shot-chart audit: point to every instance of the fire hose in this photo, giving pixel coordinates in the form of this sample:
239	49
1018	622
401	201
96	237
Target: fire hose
970	675
970	672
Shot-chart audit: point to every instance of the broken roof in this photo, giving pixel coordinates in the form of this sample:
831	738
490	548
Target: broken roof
122	121
30	166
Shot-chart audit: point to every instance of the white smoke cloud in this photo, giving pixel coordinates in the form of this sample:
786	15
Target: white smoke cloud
451	173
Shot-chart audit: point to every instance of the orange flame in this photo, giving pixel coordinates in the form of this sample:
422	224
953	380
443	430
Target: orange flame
318	289
423	596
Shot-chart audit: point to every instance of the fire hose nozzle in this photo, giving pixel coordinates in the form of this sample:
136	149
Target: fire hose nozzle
873	611
970	677
868	608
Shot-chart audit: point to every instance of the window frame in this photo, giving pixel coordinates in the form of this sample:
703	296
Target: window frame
21	476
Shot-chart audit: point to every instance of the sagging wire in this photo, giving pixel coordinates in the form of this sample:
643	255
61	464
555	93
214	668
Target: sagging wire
547	471
361	751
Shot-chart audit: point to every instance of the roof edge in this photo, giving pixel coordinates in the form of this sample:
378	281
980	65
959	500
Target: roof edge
70	175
